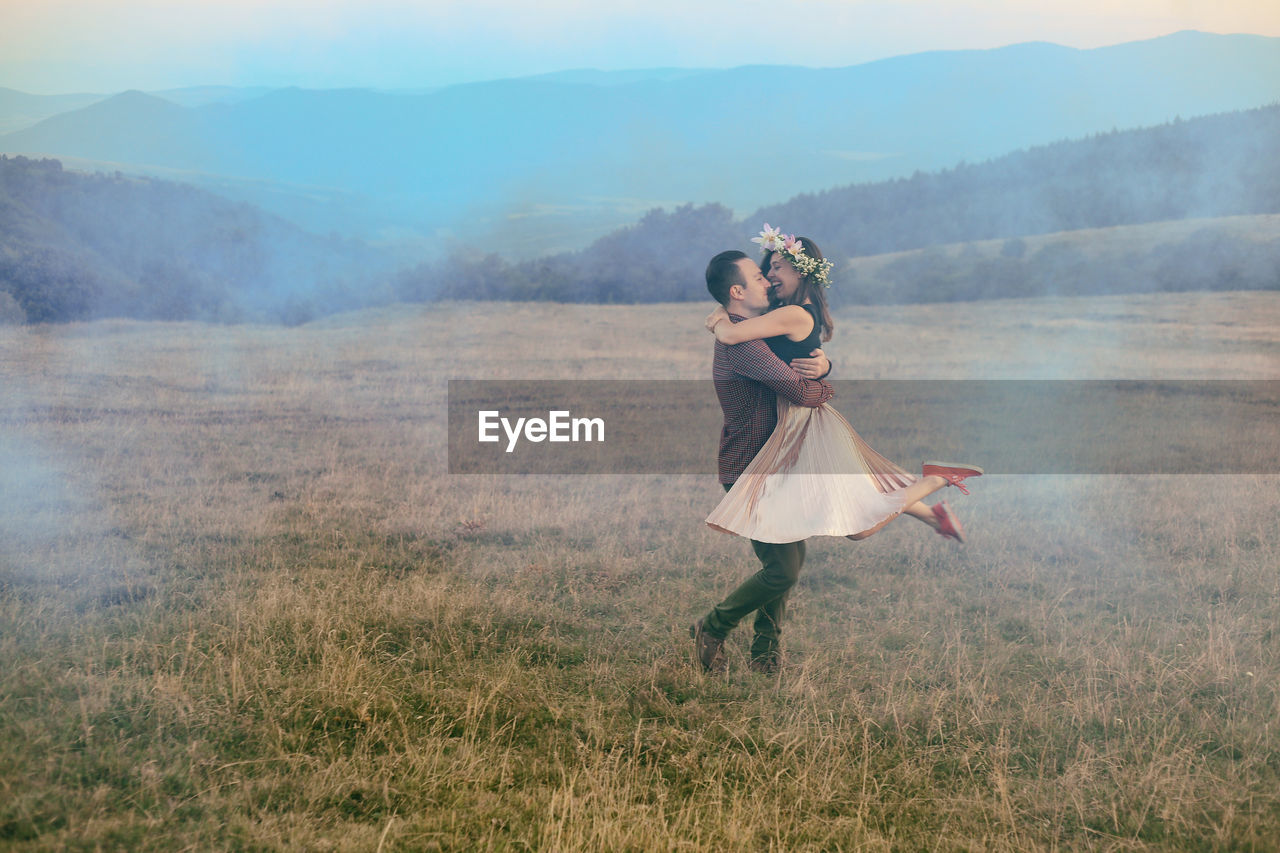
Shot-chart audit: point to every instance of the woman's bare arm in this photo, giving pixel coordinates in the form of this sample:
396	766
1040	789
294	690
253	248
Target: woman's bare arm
790	320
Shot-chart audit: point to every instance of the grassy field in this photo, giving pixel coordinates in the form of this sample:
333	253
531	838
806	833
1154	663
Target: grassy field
242	606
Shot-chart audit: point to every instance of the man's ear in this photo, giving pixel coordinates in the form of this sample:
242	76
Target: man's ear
737	291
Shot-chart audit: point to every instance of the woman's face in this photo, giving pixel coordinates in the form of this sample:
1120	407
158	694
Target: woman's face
783	276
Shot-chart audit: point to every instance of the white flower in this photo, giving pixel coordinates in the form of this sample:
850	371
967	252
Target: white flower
770	239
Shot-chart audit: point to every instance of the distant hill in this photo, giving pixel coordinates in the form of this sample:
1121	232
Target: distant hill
536	165
19	110
1227	253
77	247
595	77
1212	166
199	96
1216	166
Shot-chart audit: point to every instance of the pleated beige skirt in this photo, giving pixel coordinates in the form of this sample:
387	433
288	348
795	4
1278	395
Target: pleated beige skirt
815	476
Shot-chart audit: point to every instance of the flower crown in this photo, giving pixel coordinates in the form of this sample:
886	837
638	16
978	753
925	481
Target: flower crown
772	240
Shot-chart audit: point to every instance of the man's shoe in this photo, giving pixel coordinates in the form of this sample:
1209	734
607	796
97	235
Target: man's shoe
948	525
951	472
708	649
766	666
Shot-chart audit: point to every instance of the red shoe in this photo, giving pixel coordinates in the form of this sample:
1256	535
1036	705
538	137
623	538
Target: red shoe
948	525
954	474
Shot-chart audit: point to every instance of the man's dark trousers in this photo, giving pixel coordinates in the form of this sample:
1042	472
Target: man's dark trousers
765	593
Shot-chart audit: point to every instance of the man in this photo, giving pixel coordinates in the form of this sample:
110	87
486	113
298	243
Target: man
747	377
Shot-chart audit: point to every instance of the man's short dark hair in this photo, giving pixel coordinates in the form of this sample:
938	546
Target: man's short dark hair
723	273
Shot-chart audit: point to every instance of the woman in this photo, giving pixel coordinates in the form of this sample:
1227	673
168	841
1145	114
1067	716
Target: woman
816	476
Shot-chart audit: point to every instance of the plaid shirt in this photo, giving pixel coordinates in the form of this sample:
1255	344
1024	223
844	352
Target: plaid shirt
748	377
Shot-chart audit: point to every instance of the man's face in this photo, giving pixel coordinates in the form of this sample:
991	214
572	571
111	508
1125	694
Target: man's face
755	298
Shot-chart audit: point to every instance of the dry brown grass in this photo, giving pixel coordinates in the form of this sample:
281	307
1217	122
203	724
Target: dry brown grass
242	606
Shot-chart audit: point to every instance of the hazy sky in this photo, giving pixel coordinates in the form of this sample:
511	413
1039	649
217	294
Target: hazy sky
53	46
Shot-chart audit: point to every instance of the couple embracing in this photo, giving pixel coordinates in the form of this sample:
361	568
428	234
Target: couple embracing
791	465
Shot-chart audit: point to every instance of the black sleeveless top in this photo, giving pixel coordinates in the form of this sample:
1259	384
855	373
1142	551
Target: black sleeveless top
787	349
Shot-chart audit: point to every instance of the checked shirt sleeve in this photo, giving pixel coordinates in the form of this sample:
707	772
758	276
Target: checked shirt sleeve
754	360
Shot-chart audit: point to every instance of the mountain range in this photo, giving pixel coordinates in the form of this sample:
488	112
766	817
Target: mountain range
1187	205
538	165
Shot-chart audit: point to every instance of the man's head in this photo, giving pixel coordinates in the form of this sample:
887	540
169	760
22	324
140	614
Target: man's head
736	282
